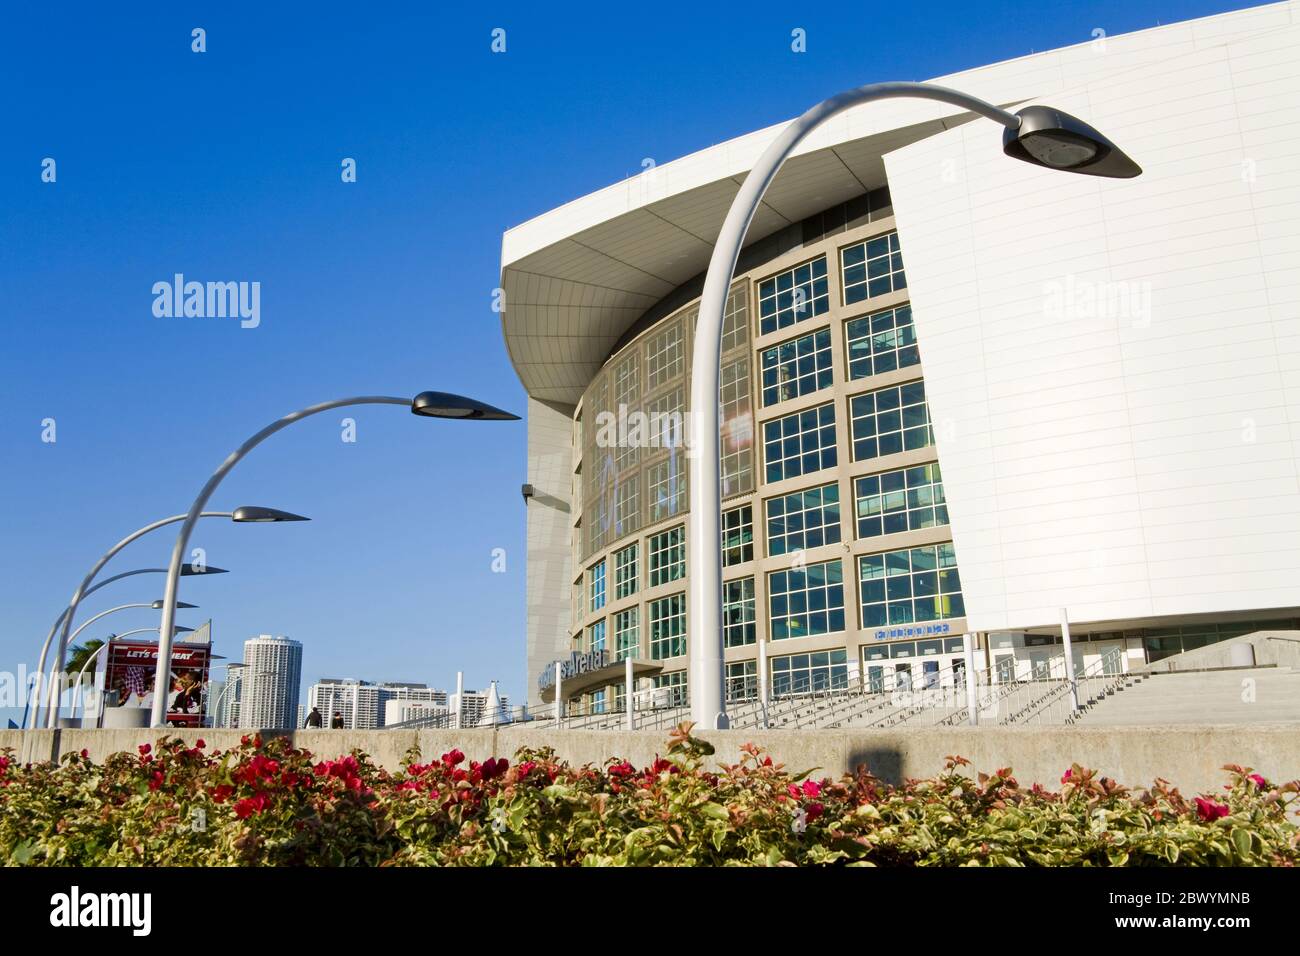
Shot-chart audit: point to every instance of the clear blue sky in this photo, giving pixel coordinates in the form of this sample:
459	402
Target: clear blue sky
225	166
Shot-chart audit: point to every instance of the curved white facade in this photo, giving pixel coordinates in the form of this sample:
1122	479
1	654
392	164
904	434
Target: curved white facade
1114	366
1111	366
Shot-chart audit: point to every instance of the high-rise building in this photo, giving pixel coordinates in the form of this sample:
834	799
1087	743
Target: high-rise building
362	704
270	676
225	701
958	393
477	704
398	711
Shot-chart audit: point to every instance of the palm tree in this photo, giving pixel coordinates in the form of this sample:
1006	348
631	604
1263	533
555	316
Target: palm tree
78	654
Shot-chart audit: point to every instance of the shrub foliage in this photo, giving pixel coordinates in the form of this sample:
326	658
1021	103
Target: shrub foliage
270	804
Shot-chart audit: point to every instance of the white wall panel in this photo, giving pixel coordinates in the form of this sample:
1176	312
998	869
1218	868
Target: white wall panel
1134	454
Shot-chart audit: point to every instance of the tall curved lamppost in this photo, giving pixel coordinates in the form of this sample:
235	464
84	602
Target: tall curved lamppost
216	704
76	693
242	514
55	684
426	404
187	569
1036	134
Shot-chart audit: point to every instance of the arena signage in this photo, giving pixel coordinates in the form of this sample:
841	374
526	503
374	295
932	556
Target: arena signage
892	632
575	665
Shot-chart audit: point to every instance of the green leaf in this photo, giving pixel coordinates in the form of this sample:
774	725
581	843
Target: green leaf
1241	840
22	853
715	811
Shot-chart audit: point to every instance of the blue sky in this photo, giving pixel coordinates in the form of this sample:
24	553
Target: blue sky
225	166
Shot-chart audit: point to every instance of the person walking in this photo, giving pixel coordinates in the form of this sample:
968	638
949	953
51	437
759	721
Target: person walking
336	722
314	719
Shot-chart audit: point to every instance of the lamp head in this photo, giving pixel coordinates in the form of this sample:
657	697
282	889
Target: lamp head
253	514
447	405
159	605
177	629
1055	139
190	569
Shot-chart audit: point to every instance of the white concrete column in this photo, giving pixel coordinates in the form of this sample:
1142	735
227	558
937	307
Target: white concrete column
628	691
972	693
762	682
460	697
1069	661
559	697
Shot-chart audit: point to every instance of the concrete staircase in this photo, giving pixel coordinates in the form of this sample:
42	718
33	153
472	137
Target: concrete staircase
1236	695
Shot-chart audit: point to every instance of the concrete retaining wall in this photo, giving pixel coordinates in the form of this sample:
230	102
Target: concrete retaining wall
1188	756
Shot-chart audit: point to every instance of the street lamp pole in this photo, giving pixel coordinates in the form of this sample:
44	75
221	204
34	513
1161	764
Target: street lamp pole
49	638
427	404
1036	134
239	515
55	684
76	693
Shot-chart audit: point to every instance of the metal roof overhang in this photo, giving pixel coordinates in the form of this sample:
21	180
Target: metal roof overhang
612	673
576	278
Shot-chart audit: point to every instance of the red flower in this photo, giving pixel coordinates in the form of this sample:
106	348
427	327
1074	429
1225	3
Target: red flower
144	749
1259	781
1209	810
199	743
1065	777
221	793
4	762
85	755
157	780
452	757
526	768
814	810
249	806
620	770
493	768
811	788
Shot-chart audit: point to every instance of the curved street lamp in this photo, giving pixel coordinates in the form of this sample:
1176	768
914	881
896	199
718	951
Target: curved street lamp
216	704
427	404
76	692
1036	134
54	683
186	569
246	513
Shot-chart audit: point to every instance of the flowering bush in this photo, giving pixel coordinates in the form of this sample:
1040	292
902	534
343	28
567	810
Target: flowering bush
271	804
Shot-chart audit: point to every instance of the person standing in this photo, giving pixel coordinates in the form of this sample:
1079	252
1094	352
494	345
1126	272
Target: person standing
314	719
336	722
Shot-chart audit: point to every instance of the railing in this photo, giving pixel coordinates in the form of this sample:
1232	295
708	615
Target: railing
1045	696
447	720
939	697
888	698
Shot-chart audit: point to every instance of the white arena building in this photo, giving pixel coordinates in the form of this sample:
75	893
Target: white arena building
959	393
